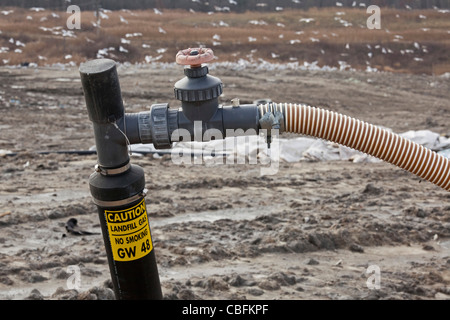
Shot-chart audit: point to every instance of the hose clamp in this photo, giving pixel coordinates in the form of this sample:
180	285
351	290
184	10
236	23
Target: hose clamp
272	119
111	172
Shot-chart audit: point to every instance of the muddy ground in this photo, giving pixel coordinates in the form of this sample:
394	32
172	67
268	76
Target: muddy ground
225	232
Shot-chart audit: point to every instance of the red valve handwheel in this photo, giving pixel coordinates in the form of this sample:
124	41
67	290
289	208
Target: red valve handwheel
185	57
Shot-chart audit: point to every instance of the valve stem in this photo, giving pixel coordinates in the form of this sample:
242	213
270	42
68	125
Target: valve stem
269	121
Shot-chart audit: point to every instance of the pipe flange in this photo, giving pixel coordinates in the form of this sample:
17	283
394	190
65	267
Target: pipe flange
159	126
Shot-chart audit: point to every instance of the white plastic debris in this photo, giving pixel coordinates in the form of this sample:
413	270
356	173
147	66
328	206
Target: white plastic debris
123	20
428	139
445	153
297	149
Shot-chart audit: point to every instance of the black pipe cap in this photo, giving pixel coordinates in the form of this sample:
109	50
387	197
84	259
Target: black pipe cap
102	90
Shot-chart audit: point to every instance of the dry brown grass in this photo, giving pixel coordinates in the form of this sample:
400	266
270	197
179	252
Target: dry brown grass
391	48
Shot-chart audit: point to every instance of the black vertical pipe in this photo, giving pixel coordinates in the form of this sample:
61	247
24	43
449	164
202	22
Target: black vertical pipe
117	188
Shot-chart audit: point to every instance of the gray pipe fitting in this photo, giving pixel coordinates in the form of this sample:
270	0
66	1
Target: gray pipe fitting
158	125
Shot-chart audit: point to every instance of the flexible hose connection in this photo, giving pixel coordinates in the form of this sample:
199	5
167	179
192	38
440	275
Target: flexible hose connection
364	137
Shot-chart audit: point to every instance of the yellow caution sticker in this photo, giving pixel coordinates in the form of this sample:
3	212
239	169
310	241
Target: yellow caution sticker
129	232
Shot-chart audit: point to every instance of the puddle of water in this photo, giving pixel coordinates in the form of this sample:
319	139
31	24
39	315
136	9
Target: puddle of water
445	244
60	195
67	80
211	216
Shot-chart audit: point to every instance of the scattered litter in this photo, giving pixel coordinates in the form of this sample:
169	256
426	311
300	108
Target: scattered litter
14	101
101	53
223	24
5	214
258	22
222	9
123	20
103	15
136	34
149	59
4	152
307	20
72	228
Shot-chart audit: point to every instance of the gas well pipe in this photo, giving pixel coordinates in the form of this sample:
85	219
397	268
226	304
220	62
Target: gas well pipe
118	187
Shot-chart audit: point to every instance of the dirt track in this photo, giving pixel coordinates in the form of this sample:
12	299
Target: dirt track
226	232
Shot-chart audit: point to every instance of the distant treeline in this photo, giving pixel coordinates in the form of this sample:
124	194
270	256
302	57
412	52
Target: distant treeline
222	5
